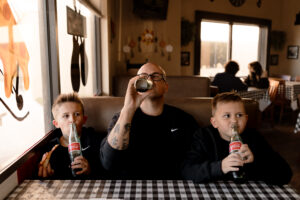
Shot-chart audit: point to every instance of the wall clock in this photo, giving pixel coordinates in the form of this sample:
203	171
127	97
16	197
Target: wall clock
237	3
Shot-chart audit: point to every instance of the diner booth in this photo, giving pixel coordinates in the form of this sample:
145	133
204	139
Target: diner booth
94	47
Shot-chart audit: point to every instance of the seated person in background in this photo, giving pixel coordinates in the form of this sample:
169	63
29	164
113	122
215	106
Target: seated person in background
227	81
56	162
147	139
209	158
256	78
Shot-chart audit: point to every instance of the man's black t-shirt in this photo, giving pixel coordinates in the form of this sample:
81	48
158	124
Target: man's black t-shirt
157	145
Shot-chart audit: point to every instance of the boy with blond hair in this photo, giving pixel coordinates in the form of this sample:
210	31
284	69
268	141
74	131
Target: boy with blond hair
209	157
56	163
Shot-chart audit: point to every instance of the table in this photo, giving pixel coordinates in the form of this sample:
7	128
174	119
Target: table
297	126
148	189
292	89
259	95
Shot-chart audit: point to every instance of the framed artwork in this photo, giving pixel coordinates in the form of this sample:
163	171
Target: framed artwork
185	58
274	59
292	52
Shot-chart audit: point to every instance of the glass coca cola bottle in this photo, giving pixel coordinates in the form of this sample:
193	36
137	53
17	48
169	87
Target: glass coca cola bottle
234	147
74	146
143	84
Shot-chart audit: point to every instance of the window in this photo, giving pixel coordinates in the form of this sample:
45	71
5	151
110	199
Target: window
24	108
227	37
86	78
216	47
245	45
29	74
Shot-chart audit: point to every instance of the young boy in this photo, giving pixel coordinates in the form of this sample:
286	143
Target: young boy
56	163
209	157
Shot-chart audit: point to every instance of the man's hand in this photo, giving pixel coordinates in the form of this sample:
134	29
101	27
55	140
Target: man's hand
45	169
81	163
246	154
133	99
231	162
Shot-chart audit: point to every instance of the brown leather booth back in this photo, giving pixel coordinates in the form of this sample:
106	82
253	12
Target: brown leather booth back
179	86
100	110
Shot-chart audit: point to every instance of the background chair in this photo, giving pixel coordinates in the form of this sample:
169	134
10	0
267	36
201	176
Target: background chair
283	77
277	97
273	90
297	78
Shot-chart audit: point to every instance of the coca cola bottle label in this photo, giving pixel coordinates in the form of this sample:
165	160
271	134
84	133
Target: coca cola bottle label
75	146
235	146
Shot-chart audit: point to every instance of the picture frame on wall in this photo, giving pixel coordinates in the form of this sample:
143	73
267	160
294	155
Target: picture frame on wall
292	52
274	59
185	58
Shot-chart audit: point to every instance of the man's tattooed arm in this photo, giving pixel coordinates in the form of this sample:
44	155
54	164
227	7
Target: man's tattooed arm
119	136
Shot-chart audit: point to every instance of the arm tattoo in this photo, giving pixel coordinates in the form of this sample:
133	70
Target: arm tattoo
114	141
124	140
117	128
125	143
127	127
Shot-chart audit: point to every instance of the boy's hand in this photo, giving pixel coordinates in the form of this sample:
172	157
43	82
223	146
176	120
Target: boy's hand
81	163
45	169
231	162
246	154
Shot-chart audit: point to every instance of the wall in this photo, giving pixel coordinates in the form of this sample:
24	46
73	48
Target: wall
130	27
282	13
127	26
288	66
270	9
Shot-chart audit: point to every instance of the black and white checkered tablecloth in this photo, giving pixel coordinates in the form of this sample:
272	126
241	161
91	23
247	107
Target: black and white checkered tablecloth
292	89
255	94
147	189
259	95
297	126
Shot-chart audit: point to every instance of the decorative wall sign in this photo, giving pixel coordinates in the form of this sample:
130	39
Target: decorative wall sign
148	37
76	26
76	23
292	52
131	44
126	50
162	45
169	50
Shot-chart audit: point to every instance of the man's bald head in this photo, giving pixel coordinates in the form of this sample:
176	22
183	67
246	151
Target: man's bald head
152	67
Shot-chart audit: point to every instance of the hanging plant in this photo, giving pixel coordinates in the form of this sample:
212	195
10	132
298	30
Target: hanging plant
278	40
187	32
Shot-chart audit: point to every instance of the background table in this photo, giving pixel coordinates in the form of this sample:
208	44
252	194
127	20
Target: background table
147	189
292	89
259	95
297	126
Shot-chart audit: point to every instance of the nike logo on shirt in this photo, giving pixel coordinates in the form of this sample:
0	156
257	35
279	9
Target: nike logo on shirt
174	129
83	149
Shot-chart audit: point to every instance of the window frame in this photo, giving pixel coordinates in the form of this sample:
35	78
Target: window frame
231	19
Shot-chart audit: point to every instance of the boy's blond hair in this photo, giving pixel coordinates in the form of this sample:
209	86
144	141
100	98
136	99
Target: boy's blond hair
64	98
224	97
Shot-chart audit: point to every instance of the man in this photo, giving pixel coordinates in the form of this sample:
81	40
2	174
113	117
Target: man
147	139
227	81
